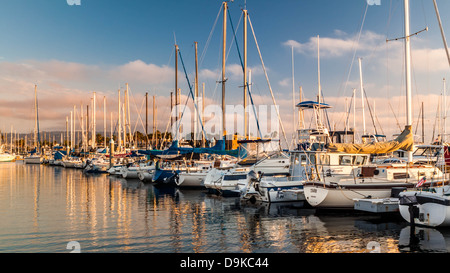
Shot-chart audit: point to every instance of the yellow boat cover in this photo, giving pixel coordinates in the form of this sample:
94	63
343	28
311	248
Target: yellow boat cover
403	142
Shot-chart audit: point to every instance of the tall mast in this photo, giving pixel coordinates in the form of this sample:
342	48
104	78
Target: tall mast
146	120
176	92
124	125
246	133
104	120
203	115
82	126
408	73
87	125
74	126
128	120
293	97
362	96
119	129
155	144
442	30
225	7
71	130
36	116
319	100
94	110
444	112
196	96
67	134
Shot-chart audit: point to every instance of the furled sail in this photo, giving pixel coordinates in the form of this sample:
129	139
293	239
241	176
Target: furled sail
403	142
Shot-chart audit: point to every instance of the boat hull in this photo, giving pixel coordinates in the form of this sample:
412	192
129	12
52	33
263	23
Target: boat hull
145	176
33	160
191	180
334	196
7	158
433	209
279	192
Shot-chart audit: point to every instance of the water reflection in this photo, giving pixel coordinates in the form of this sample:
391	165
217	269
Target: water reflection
424	240
43	208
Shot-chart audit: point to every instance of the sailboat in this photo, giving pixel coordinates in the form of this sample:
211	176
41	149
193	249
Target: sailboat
429	203
35	156
376	181
6	157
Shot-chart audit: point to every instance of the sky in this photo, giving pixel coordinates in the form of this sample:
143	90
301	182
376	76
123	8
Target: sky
71	51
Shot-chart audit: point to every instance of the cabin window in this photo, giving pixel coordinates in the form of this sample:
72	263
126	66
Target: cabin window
312	159
234	177
345	160
401	175
303	159
360	160
325	159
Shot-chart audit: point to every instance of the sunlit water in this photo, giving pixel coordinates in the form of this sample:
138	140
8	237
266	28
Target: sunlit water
44	208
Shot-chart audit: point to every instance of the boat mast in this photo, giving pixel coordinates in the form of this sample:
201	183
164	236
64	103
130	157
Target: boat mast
196	96
408	72
36	116
104	120
128	120
154	138
119	129
225	7
246	124
362	96
293	97
203	115
94	139
146	120
319	100
176	92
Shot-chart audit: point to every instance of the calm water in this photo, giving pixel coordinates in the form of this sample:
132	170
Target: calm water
43	208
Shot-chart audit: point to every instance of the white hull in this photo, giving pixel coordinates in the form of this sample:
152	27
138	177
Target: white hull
145	176
343	196
70	164
275	190
7	158
433	209
227	182
281	191
33	160
132	172
191	179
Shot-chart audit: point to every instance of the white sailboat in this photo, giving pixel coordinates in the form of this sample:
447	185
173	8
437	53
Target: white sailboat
132	171
35	157
6	157
377	181
232	181
194	176
428	204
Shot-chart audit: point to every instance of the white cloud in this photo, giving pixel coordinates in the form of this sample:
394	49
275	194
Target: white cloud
144	73
332	47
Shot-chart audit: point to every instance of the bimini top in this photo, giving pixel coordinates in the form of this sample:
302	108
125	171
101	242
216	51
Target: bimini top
313	104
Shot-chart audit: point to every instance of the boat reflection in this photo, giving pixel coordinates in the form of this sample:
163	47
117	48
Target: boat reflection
424	240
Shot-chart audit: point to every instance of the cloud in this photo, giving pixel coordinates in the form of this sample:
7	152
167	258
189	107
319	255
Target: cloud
142	72
333	47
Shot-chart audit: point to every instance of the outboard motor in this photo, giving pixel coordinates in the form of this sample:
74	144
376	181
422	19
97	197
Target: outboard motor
411	202
254	177
395	191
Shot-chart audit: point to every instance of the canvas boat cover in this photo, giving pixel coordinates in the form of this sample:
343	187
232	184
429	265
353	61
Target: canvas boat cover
403	142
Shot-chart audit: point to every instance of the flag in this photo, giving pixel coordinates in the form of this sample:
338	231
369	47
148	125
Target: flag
423	180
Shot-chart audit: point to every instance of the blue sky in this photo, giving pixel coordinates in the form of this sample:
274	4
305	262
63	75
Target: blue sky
71	51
